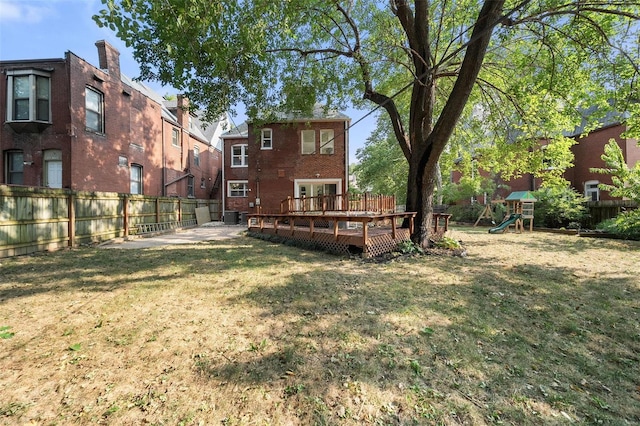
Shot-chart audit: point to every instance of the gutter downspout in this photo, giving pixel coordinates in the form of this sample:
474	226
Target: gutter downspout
223	184
346	154
164	161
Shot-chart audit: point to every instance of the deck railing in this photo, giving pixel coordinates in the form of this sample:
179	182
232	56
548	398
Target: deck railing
348	202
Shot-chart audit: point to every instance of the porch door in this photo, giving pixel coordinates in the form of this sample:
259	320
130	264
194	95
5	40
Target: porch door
53	168
311	190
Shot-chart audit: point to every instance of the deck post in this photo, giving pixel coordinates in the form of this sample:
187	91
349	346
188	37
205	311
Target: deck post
365	236
275	226
335	229
393	228
292	224
311	227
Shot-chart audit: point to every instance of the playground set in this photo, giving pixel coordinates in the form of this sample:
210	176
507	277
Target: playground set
519	207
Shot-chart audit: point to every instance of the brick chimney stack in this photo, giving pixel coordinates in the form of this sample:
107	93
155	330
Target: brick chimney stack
183	111
109	59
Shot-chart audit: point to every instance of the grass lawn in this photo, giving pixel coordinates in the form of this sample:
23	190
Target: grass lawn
527	329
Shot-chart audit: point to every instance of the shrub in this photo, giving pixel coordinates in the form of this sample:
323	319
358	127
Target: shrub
466	213
559	207
625	225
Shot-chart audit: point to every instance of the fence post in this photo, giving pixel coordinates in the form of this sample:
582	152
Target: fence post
157	209
72	218
179	210
125	215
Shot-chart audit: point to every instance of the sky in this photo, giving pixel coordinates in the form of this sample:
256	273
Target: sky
45	29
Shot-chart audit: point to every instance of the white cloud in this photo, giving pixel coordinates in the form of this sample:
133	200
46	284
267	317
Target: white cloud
18	12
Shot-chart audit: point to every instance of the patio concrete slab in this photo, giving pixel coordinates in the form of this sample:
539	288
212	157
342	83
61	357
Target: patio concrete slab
211	231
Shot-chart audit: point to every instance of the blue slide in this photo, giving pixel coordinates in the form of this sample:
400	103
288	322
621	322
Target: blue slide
505	223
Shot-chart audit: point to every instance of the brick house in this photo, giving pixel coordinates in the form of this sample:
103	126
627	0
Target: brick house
69	124
293	157
587	155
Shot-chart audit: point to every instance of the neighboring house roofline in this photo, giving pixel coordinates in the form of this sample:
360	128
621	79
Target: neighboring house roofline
597	129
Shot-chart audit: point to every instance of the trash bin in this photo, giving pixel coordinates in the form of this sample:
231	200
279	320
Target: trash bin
231	218
243	218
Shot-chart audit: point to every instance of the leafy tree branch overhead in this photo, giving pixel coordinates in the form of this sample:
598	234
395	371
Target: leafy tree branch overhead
531	67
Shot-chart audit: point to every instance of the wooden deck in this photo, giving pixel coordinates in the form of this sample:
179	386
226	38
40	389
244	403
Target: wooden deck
340	232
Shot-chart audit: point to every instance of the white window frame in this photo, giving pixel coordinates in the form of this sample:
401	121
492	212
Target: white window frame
266	141
14	167
236	192
34	95
591	187
175	137
327	142
136	182
305	143
99	112
242	156
196	155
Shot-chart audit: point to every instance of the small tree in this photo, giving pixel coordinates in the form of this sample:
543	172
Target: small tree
625	184
625	180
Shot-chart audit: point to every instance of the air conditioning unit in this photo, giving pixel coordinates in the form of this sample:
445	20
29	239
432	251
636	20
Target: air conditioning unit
327	150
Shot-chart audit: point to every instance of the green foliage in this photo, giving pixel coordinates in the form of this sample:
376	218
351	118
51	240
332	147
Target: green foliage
467	188
625	184
447	243
5	333
625	225
625	180
558	206
382	168
466	212
409	247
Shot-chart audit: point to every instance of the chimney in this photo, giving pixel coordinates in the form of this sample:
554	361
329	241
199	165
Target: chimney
109	59
182	111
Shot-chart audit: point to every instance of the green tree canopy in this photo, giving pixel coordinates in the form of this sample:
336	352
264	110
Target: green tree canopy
522	69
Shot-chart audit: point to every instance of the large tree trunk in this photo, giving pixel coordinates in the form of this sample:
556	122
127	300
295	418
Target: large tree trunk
422	141
427	143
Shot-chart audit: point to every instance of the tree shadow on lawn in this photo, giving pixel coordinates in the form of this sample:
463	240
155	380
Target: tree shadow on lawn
100	270
572	244
526	345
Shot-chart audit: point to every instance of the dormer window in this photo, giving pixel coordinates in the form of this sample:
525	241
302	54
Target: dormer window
29	97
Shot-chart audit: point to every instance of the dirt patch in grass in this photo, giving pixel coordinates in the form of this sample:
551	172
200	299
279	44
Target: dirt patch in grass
526	329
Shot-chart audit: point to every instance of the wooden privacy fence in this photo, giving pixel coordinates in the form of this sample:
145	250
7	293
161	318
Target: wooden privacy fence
603	210
40	219
340	203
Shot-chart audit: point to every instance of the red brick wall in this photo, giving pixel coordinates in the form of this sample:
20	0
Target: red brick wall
588	152
272	172
134	129
235	173
55	136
